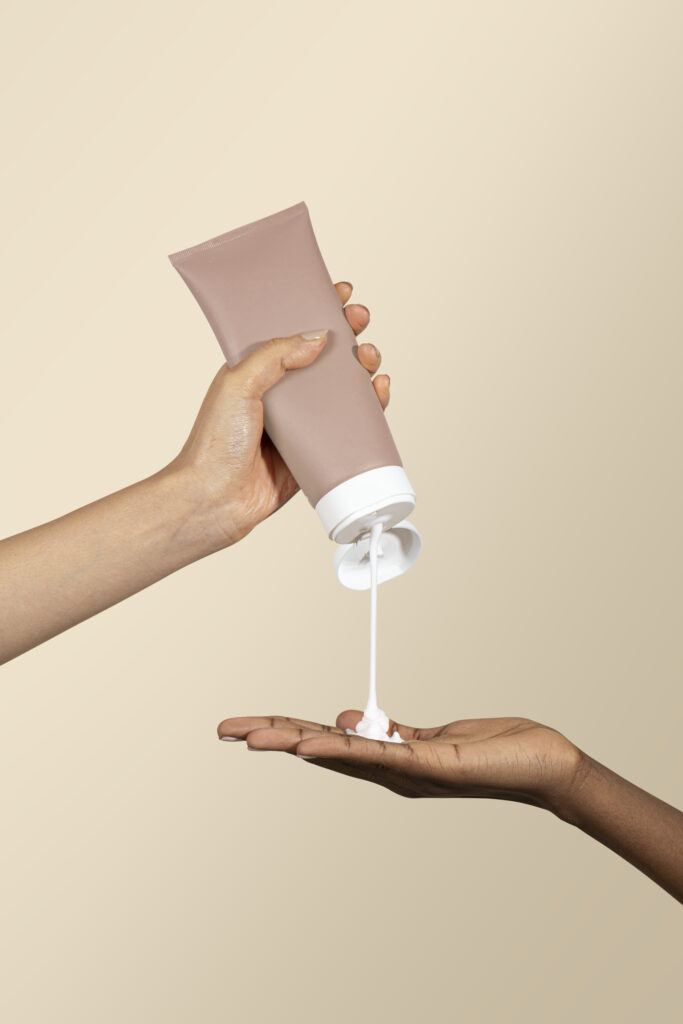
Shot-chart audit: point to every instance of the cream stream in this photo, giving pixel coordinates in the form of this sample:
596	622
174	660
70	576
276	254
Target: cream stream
374	723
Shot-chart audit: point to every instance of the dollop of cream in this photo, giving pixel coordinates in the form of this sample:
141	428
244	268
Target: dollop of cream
374	725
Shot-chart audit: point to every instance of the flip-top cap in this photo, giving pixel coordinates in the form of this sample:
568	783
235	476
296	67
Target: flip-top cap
399	547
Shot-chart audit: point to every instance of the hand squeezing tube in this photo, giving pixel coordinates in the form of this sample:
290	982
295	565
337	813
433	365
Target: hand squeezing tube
268	279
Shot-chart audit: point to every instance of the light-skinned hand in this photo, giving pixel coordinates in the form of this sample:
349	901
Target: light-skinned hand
236	469
227	478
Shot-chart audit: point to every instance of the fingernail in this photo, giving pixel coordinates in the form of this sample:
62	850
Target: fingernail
314	335
306	757
231	739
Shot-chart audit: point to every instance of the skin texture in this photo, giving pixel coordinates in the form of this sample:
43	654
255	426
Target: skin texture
498	758
225	481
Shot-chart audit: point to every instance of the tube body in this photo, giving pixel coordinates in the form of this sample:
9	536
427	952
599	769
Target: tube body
268	279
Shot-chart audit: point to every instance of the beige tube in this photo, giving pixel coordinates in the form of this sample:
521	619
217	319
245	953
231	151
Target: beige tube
268	279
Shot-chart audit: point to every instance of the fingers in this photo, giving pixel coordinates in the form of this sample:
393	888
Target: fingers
344	289
284	739
270	361
348	719
369	357
395	766
382	385
358	316
287	739
355	750
239	728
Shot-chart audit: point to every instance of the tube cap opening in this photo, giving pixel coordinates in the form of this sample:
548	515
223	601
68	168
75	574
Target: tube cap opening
399	548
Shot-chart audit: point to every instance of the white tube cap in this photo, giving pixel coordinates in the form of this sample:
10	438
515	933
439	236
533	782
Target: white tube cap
348	513
399	547
379	495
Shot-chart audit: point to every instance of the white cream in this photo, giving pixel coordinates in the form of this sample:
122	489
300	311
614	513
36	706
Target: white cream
374	724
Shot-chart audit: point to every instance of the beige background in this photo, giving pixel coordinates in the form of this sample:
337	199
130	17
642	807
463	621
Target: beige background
502	184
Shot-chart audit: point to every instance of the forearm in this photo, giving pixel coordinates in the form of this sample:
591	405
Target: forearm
65	571
641	828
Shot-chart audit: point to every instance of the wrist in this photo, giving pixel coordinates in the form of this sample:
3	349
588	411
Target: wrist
198	511
569	796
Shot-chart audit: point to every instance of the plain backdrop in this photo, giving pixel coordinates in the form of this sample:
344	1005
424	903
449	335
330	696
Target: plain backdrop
501	182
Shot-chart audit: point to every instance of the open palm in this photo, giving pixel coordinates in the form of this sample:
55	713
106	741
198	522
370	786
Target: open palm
500	758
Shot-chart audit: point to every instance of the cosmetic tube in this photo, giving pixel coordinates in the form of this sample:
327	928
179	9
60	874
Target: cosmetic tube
268	279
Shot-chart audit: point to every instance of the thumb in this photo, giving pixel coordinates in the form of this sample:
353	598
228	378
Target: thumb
270	361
